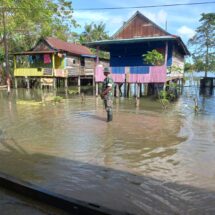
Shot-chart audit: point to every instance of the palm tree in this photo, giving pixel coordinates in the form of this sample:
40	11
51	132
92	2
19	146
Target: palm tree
93	32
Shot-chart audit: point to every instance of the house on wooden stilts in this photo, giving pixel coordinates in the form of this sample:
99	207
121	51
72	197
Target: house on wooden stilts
136	37
53	62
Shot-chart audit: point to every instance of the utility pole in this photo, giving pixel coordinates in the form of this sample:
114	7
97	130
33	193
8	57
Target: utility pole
6	51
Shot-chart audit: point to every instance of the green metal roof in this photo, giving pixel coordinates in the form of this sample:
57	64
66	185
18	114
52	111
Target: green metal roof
104	45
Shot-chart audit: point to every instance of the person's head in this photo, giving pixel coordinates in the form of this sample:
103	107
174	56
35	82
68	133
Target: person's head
106	71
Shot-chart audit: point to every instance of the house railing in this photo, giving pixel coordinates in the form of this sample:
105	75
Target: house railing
44	72
134	74
35	72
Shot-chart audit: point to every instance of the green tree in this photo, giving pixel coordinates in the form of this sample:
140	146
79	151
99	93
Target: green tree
203	44
24	21
188	67
94	32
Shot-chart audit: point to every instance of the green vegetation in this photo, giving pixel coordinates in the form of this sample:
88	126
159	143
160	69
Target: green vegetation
168	95
57	99
170	92
203	44
94	32
73	92
24	22
154	58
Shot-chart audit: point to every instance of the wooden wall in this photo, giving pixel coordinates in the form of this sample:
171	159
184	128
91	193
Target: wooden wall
139	27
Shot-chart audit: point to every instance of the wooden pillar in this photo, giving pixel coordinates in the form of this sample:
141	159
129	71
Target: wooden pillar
137	90
66	82
128	89
79	81
79	84
94	81
53	61
15	80
41	85
54	82
125	89
117	90
53	72
145	89
28	83
14	63
164	86
140	89
97	88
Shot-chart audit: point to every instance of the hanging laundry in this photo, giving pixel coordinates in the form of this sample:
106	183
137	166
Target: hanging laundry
37	57
46	58
30	59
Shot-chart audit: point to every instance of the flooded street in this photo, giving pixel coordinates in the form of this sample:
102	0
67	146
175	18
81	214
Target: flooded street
147	161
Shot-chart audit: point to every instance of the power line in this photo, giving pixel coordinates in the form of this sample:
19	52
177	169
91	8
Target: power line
112	8
147	6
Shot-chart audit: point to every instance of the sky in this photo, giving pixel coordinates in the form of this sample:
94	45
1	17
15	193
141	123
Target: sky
181	20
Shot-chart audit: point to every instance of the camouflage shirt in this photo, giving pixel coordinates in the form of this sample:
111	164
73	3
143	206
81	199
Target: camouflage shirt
108	82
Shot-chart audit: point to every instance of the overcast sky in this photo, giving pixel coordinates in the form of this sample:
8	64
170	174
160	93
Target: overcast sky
181	20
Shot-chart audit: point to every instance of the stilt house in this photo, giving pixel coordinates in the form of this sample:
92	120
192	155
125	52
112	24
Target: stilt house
136	37
52	60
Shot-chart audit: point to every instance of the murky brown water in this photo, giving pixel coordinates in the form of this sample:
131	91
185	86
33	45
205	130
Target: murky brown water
148	160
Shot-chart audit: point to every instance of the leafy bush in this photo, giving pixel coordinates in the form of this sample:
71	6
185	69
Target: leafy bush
154	58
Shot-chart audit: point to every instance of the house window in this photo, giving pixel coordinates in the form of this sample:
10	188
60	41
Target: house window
74	61
82	62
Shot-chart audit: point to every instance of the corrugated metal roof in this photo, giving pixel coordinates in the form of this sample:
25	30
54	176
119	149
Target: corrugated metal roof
130	40
33	52
57	45
68	47
105	44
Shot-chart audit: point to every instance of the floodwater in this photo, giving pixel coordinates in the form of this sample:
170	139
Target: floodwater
149	160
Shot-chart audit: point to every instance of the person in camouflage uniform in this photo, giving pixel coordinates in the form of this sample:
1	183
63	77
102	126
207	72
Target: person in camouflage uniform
107	94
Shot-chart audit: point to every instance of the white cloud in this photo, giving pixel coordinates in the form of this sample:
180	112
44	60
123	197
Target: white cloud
159	17
112	22
185	31
90	16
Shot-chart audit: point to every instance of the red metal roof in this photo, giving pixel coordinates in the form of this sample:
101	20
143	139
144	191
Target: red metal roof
73	48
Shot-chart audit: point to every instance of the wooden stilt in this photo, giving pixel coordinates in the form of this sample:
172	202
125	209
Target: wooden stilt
15	80
54	83
97	89
141	89
127	91
79	84
138	90
94	82
66	82
28	83
117	90
145	89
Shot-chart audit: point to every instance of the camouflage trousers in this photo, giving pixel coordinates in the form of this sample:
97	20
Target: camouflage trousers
108	102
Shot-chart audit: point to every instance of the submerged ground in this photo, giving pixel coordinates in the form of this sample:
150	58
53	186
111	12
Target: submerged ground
148	160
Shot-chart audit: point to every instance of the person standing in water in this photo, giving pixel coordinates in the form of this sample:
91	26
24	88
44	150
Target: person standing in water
107	94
